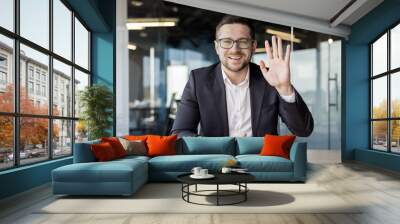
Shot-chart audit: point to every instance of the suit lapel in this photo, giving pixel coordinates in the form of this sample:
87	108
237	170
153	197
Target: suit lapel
257	89
218	88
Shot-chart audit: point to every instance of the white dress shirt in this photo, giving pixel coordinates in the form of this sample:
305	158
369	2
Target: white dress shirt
238	106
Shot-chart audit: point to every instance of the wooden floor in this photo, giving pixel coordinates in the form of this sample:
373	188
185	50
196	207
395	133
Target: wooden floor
377	188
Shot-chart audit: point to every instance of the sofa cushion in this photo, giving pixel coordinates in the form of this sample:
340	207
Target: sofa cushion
116	145
103	152
185	163
136	137
257	163
249	145
112	171
161	145
134	147
277	145
83	152
207	145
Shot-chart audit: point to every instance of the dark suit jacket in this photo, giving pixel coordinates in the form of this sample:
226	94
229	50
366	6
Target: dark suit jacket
203	100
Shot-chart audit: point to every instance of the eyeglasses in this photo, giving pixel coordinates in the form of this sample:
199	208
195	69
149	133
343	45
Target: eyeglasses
227	43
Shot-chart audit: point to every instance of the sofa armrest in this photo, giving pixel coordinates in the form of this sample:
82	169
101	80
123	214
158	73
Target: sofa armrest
83	152
298	155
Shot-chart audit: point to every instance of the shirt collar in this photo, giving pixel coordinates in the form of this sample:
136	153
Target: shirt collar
227	80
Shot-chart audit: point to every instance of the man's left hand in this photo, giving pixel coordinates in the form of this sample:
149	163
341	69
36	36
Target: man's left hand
278	73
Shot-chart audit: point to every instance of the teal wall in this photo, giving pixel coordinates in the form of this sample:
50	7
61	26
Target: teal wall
356	119
103	51
99	16
24	178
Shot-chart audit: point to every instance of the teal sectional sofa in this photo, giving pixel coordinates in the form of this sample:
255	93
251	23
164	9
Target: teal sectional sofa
125	176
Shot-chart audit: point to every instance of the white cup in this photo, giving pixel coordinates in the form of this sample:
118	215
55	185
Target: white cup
226	170
196	170
203	172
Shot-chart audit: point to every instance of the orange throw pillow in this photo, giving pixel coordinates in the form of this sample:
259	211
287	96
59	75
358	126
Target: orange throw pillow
161	145
277	145
116	145
136	137
103	151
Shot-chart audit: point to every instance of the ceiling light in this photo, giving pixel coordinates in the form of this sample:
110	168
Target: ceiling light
283	35
136	3
330	40
131	47
137	23
137	28
143	34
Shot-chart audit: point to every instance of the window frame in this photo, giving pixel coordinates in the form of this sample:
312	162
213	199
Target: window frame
388	74
16	114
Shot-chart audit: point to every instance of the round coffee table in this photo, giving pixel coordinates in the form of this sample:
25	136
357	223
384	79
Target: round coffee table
238	179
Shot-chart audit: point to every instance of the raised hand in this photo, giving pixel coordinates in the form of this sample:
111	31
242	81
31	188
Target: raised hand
278	73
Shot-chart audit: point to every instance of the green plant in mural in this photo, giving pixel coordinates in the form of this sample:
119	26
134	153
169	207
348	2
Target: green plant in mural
96	102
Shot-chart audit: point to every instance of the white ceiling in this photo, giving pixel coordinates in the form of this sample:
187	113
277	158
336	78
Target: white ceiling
319	9
314	15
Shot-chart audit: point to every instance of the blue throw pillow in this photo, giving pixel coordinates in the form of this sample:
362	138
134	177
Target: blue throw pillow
207	145
249	145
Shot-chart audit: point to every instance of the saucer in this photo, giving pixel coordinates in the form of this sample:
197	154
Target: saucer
208	176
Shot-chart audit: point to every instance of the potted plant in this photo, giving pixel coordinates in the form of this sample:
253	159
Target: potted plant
96	102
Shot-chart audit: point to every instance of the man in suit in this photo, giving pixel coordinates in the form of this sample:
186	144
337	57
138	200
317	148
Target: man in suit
238	98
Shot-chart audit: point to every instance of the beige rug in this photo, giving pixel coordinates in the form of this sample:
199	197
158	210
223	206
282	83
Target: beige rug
166	198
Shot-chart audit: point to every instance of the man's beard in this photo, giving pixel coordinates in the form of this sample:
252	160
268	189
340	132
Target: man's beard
242	66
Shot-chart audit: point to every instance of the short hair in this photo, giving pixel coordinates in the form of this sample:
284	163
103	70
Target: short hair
228	19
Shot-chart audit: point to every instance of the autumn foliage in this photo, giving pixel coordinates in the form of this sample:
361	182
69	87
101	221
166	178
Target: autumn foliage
33	131
380	127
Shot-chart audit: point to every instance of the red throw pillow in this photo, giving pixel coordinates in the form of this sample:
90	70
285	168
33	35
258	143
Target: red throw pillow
277	145
103	151
136	137
116	145
161	145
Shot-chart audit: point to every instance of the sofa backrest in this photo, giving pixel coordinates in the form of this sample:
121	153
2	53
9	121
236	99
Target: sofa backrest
206	145
83	152
249	145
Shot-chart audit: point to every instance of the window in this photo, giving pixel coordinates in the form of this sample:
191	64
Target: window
6	73
30	87
62	74
62	137
34	21
43	90
81	45
385	95
3	78
53	125
38	89
7	14
62	29
30	73
6	142
81	81
3	61
37	74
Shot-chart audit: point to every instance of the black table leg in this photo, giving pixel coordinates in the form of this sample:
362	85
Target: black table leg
217	194
245	193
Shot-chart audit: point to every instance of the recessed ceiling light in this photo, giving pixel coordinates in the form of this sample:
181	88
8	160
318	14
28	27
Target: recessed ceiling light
138	23
131	47
136	3
175	9
143	34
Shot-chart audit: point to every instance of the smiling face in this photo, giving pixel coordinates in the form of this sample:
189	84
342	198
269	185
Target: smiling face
234	59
